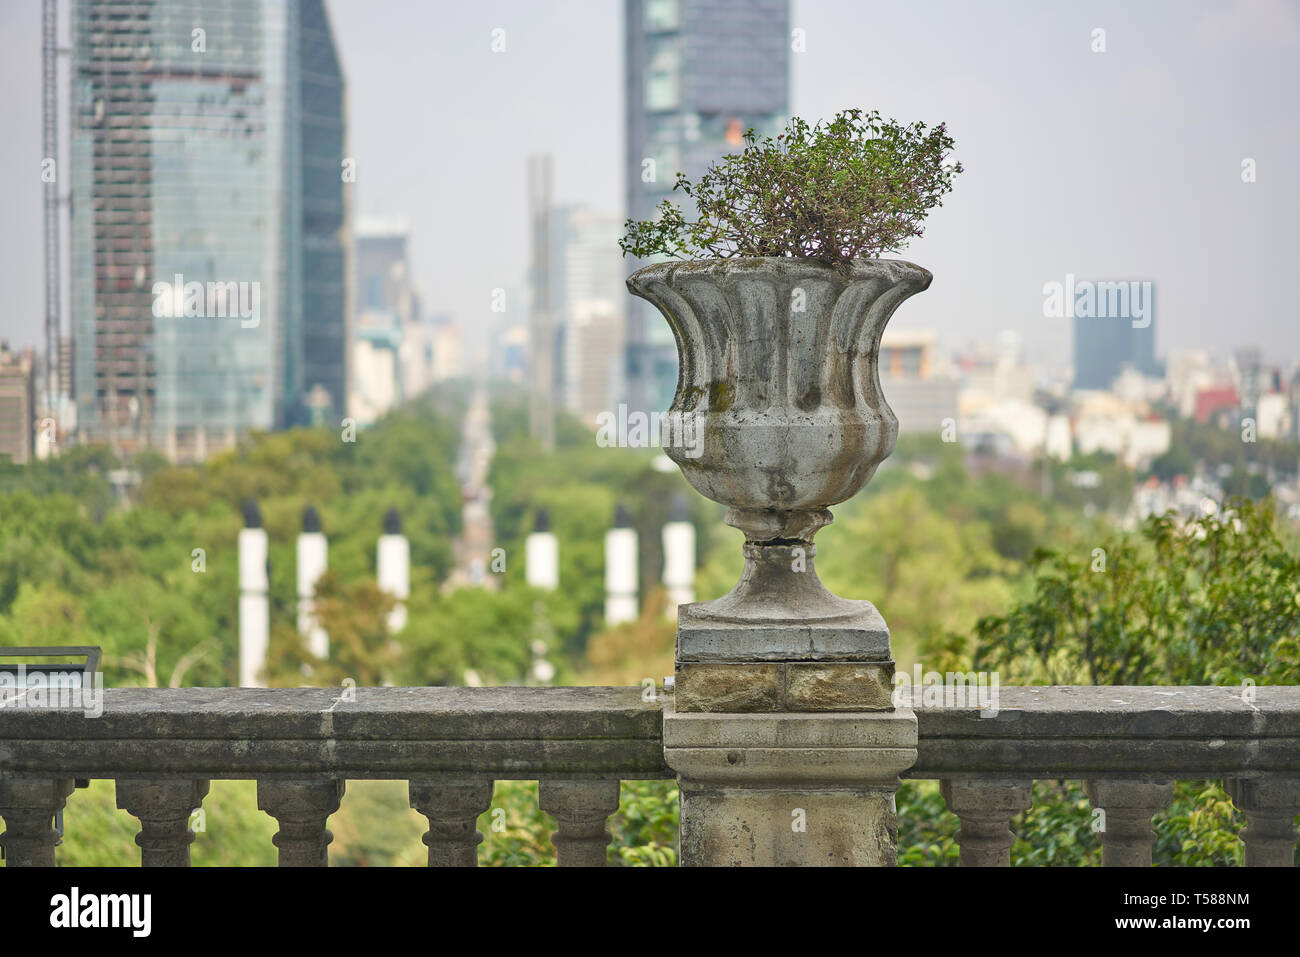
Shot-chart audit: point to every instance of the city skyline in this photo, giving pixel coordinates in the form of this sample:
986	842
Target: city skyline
1189	91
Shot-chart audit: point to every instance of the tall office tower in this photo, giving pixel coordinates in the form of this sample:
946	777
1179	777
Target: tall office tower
541	317
587	302
209	220
1104	346
392	349
699	73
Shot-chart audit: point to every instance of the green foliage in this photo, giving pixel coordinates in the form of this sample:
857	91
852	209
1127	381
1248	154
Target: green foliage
154	580
1200	828
1058	829
1214	448
476	630
1212	601
579	486
927	830
856	186
644	830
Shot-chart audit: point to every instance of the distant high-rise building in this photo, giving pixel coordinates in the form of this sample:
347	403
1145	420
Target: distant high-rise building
392	349
577	305
699	74
383	267
921	399
1103	347
17	406
209	220
65	363
587	306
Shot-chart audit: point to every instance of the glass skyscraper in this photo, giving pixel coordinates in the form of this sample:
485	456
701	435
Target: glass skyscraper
699	73
1103	347
209	227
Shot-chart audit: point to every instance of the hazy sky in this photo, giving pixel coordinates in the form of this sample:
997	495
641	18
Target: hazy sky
1117	165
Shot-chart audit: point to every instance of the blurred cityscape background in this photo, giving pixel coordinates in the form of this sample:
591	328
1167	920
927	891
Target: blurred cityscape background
209	142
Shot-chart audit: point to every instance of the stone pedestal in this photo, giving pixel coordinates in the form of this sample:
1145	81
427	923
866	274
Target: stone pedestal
789	790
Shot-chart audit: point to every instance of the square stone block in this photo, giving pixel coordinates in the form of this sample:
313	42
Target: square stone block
846	686
740	688
861	635
746	687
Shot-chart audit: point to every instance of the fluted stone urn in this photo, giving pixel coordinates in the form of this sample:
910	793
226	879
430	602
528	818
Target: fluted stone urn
780	405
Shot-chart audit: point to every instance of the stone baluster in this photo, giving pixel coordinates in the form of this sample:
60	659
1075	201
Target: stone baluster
1270	804
301	808
986	807
453	806
1127	807
580	809
163	807
28	806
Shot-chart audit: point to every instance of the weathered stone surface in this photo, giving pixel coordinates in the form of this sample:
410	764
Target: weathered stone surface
785	730
779	355
784	686
382	733
28	806
776	614
580	809
1270	803
859	636
371	714
1181	733
1079	732
1127	806
729	687
840	686
986	807
163	807
780	390
774	827
301	807
783	789
452	803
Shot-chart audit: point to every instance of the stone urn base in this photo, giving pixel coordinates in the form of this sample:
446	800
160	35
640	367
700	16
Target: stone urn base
780	640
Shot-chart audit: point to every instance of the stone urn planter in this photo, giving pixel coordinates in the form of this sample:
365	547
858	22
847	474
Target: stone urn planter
779	386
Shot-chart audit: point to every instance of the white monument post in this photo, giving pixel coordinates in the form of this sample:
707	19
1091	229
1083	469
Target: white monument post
254	603
542	554
621	570
679	556
394	564
313	560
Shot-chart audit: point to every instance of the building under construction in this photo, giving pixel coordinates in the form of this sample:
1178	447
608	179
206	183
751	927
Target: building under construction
209	241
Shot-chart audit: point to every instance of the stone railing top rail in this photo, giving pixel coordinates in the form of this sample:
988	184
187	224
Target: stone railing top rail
356	713
385	732
1068	731
538	732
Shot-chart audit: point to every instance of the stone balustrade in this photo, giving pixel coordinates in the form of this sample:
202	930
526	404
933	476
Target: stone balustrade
163	747
1129	745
